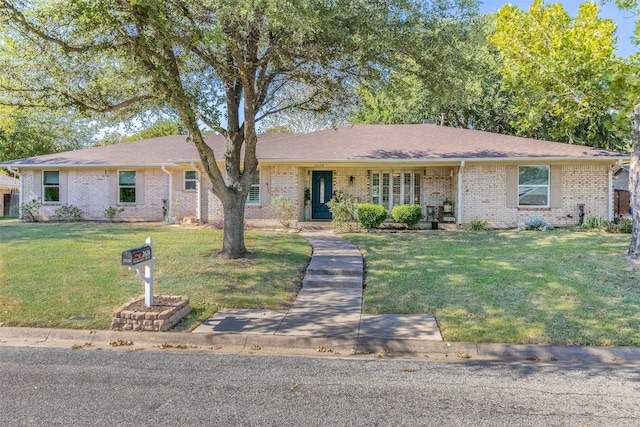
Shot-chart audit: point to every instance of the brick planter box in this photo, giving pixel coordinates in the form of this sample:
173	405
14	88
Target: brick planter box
163	315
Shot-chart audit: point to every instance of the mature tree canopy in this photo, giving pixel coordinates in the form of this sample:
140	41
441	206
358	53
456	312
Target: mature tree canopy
626	80
450	72
213	62
304	119
558	71
159	128
33	132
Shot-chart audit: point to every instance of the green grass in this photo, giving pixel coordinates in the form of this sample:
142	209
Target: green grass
7	218
558	287
69	275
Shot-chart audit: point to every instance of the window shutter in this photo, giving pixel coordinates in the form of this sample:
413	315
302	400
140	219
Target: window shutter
265	176
512	186
64	180
37	184
113	187
140	188
555	184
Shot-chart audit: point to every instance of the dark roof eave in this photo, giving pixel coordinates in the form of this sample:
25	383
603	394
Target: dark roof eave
456	159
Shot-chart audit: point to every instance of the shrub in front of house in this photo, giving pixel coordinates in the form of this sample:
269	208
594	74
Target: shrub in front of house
478	225
342	212
68	213
623	225
407	214
370	215
111	212
284	209
31	210
535	223
595	223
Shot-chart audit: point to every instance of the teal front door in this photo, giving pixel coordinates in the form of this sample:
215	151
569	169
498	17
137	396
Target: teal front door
322	187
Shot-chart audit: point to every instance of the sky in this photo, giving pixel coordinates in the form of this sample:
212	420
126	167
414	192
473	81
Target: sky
625	20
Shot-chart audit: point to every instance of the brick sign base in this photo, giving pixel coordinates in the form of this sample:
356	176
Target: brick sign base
135	316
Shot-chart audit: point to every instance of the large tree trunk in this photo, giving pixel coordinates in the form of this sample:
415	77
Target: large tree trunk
233	240
634	187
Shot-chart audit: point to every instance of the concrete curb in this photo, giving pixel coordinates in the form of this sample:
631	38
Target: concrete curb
285	344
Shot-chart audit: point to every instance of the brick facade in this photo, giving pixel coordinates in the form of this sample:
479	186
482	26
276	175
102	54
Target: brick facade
93	191
484	189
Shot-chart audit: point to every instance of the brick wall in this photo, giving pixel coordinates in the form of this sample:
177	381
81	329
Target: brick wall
359	190
94	190
485	188
484	193
274	181
184	202
586	184
438	185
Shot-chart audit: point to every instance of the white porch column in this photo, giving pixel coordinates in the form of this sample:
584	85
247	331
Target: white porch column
460	192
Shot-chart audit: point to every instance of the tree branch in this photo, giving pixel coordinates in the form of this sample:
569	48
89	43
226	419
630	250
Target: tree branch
22	21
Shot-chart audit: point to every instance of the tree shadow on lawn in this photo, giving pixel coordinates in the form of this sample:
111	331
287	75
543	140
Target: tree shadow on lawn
508	287
77	231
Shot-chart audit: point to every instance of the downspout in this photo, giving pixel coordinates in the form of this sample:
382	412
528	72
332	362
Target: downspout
610	186
460	192
198	193
19	175
170	199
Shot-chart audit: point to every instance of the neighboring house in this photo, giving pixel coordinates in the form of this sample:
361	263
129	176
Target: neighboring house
496	178
9	196
622	195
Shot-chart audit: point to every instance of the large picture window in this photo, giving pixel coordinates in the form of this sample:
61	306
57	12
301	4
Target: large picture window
51	186
533	186
127	186
253	198
391	188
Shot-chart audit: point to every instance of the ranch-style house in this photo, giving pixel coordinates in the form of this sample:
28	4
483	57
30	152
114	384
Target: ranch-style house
455	175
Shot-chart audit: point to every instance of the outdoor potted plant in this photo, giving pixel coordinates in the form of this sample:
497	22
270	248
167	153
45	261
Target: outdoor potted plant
307	196
307	204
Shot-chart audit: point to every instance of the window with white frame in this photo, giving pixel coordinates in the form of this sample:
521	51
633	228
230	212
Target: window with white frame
126	186
533	186
398	187
51	186
253	198
190	180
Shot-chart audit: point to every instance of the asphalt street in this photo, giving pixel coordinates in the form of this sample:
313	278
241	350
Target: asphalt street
85	387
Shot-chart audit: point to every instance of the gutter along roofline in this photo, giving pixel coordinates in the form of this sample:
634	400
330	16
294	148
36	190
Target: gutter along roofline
87	165
440	160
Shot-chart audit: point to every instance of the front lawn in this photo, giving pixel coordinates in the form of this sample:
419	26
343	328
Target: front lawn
558	287
69	275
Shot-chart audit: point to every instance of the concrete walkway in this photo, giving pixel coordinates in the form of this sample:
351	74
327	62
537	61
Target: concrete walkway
328	305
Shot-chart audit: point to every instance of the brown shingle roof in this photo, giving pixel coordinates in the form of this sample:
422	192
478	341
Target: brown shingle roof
359	143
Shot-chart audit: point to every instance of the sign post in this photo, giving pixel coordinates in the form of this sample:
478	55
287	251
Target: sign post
138	258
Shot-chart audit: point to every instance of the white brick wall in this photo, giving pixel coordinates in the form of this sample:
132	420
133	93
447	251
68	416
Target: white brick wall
484	193
184	202
485	187
439	185
281	181
91	190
